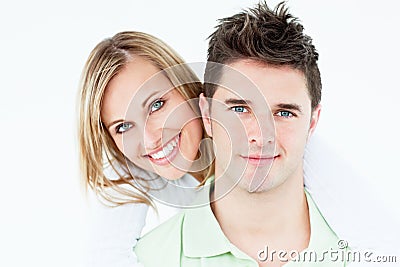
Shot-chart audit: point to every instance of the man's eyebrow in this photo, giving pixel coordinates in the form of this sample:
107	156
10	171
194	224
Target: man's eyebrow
290	106
234	101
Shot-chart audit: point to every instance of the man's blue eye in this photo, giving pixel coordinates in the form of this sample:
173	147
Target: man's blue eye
239	109
123	127
156	105
286	114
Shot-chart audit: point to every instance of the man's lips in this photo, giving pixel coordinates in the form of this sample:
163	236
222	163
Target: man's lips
260	160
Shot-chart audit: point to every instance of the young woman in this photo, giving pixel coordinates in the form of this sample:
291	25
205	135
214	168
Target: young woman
137	124
126	99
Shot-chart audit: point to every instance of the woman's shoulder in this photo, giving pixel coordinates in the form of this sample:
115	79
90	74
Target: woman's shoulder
113	232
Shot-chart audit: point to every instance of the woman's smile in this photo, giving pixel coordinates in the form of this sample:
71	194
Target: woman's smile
166	153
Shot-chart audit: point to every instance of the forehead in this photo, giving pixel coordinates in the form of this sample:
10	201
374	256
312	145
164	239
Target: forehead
137	80
255	81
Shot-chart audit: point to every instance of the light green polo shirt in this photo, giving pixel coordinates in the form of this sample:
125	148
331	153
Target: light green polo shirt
194	238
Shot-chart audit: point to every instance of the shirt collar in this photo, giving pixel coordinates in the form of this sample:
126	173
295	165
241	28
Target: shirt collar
322	236
202	236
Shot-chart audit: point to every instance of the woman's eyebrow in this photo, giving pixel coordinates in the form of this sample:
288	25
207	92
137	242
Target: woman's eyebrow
144	104
114	122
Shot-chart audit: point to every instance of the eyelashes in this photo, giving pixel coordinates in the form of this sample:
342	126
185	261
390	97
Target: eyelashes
123	127
239	109
156	105
280	113
285	114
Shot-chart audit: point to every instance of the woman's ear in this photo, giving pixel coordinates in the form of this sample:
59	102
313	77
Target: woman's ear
205	113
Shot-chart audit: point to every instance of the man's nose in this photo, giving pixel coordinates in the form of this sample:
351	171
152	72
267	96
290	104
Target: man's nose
261	131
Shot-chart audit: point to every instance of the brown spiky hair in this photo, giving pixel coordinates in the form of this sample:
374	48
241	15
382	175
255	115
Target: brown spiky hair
271	37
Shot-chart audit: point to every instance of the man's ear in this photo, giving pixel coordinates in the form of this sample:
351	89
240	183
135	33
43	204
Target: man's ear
205	113
314	119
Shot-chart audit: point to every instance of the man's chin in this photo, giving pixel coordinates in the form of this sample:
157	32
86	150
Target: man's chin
255	184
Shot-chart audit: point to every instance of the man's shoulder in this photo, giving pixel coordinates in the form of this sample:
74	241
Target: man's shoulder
162	245
170	229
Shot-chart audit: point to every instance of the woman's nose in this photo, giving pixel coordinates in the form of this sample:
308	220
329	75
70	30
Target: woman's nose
152	138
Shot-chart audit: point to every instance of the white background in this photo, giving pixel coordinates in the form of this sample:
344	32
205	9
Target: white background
44	45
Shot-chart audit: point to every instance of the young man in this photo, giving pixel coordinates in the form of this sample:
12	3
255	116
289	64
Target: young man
260	105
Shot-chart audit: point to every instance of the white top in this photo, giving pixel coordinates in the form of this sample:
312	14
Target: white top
113	232
337	190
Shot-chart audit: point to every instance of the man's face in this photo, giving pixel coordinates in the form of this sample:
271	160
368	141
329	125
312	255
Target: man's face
260	121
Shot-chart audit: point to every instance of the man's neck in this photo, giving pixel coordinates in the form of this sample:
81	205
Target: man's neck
277	218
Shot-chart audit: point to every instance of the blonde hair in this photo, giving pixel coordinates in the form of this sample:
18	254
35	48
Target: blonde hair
97	147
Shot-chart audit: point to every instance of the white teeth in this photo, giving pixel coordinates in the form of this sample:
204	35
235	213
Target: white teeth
167	149
158	155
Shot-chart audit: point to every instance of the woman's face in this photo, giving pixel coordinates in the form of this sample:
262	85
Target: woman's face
150	121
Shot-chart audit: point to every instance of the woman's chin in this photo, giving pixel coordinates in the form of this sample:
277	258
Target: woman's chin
171	173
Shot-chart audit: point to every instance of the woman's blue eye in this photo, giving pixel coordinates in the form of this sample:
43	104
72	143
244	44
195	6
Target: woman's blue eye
239	109
123	127
156	105
285	114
